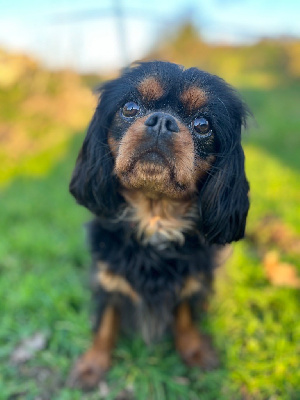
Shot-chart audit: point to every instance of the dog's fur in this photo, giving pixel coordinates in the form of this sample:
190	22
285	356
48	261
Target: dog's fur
162	170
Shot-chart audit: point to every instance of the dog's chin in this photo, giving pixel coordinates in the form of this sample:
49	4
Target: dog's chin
154	175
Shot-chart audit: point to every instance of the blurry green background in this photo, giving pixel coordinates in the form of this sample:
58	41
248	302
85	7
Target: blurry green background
253	316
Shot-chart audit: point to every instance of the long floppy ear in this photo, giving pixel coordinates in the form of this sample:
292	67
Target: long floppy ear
223	200
93	184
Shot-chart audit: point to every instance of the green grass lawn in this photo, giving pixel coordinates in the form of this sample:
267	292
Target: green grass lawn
255	326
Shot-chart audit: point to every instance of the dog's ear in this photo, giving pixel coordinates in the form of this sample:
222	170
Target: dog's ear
223	200
93	184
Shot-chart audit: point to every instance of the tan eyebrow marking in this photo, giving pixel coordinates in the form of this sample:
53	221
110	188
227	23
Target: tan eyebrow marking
150	89
193	98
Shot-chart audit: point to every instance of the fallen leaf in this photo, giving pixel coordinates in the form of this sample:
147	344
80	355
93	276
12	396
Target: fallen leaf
28	347
280	273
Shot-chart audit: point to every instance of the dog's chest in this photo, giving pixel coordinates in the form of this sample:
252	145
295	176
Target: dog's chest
152	281
159	222
152	289
151	308
148	271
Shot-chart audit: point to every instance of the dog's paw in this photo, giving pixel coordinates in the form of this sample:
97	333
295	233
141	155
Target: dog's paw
88	371
203	355
197	351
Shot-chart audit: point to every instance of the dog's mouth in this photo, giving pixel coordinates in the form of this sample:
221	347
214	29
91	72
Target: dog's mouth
152	157
152	162
152	171
155	171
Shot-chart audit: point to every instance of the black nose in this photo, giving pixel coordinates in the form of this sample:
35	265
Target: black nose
161	123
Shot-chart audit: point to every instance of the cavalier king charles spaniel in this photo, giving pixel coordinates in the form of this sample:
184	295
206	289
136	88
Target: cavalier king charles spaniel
162	170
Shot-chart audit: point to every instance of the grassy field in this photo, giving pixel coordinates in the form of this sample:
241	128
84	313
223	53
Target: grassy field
254	324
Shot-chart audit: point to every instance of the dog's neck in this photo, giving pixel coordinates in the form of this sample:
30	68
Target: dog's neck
160	220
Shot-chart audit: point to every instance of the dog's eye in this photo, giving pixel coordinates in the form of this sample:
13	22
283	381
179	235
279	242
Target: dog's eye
201	126
130	109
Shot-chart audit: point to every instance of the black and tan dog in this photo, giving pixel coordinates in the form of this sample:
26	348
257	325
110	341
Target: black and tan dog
162	170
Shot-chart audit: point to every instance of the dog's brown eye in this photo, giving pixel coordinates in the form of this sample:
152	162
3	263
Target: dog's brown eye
130	109
201	125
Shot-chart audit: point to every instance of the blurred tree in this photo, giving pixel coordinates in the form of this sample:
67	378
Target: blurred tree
263	64
184	45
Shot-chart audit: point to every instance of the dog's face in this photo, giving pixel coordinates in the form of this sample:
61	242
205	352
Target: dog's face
162	137
169	133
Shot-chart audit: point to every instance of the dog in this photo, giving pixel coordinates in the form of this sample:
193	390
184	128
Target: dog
162	170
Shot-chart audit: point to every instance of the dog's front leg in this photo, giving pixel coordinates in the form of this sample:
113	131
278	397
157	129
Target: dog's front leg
93	364
194	348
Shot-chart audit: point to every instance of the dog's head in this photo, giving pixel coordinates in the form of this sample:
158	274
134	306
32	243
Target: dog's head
171	134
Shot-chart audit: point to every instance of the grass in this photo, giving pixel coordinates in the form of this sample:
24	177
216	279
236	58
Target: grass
255	326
